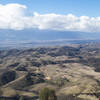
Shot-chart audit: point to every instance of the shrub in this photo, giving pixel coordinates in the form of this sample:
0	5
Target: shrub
47	94
1	92
7	77
21	98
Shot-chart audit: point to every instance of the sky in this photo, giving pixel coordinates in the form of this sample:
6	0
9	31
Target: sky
62	15
78	7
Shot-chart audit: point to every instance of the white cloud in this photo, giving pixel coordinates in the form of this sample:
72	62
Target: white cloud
13	16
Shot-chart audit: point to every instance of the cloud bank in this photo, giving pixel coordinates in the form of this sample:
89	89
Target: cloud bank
14	16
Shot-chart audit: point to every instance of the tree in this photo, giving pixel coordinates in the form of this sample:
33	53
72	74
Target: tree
52	95
21	98
1	92
47	94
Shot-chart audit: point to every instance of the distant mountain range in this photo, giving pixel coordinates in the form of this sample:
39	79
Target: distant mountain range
38	37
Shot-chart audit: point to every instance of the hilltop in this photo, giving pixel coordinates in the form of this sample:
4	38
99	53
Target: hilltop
70	70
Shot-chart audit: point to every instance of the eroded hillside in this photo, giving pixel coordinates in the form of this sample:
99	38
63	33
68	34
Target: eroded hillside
70	70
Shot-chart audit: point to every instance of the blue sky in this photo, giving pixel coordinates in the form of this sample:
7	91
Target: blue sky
77	7
61	15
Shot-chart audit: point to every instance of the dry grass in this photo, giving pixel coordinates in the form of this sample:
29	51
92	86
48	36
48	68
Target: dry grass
8	92
88	97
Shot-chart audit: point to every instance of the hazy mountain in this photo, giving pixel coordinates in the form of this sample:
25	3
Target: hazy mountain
37	34
30	36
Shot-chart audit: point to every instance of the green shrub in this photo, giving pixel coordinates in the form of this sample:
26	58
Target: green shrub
47	94
1	92
21	98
